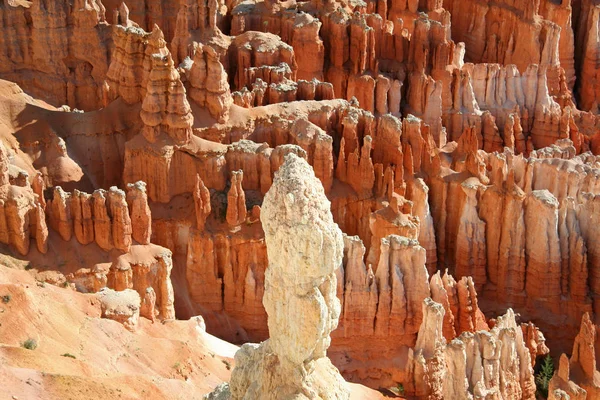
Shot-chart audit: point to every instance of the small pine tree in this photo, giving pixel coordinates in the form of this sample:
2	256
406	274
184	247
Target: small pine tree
542	378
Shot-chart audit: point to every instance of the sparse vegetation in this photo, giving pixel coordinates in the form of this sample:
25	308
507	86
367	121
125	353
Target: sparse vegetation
65	284
30	344
6	298
227	364
543	376
398	390
68	355
28	267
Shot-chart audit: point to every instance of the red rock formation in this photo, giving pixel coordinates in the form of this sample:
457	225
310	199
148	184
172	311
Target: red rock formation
129	70
143	267
56	49
498	361
319	149
514	37
560	387
236	200
483	172
201	203
60	214
586	54
208	83
81	214
141	219
120	220
165	108
308	47
257	49
578	377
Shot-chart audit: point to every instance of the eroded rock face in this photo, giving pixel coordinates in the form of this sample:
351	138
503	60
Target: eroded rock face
22	216
476	364
293	361
165	108
208	83
456	158
141	219
122	306
147	270
60	44
578	377
129	71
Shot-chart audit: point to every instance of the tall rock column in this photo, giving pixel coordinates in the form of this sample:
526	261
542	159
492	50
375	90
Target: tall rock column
236	200
141	220
209	86
308	47
121	222
584	383
165	107
305	248
542	247
4	179
201	203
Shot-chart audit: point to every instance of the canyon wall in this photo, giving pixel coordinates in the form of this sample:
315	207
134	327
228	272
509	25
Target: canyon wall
456	142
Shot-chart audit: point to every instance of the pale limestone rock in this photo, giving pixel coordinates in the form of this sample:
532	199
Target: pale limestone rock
123	306
491	364
305	248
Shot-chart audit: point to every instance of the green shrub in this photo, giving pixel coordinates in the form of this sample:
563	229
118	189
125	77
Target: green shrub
543	376
68	355
30	344
6	298
397	390
401	389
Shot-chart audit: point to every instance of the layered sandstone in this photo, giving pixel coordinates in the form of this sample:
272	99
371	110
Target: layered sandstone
479	364
578	377
111	219
208	83
461	168
165	108
57	50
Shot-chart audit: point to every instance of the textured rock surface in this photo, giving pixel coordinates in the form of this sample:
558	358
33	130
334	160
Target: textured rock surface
122	306
578	377
456	141
208	83
165	108
293	361
478	364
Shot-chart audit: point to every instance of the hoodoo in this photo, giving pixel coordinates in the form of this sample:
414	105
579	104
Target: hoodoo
305	248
